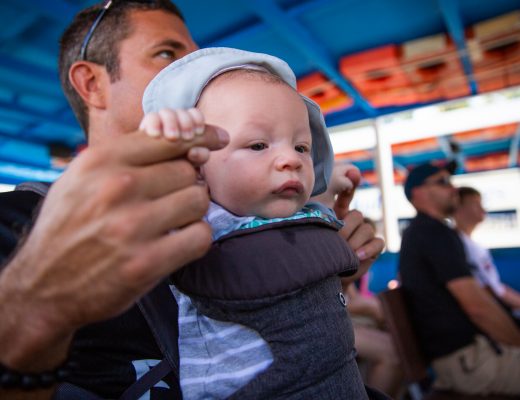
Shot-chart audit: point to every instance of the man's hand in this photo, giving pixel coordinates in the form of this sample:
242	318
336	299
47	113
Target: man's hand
123	216
359	234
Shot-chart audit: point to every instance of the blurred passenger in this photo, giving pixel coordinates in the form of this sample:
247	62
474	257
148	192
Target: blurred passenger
474	345
373	343
468	215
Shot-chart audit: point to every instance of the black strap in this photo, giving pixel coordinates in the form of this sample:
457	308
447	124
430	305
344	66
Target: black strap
68	391
160	310
147	381
40	188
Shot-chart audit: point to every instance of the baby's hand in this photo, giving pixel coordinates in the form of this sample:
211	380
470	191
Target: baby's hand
178	124
343	180
174	124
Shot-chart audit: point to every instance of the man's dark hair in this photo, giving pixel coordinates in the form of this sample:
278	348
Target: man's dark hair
466	191
103	47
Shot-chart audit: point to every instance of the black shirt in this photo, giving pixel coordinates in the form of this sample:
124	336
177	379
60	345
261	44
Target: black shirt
110	354
432	254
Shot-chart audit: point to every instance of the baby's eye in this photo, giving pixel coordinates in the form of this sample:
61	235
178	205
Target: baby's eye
301	148
258	146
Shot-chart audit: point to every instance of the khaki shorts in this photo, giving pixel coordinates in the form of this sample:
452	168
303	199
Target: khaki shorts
478	369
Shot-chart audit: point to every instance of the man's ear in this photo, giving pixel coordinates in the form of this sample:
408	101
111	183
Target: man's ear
90	81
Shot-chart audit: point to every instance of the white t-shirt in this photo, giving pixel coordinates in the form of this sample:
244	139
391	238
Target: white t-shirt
486	271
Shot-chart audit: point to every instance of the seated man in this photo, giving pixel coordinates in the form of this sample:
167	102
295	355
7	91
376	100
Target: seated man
468	215
473	344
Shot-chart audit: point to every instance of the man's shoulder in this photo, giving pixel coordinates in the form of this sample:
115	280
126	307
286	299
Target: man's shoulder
424	225
18	207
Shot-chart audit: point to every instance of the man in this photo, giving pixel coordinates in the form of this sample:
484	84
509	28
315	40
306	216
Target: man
102	239
473	344
467	216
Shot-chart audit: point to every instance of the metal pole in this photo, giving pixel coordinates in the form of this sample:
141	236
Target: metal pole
385	174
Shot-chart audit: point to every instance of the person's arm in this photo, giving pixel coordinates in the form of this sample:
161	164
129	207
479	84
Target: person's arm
363	306
359	234
511	297
122	217
484	311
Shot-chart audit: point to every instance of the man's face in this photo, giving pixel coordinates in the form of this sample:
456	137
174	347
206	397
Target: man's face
440	193
157	39
470	209
266	170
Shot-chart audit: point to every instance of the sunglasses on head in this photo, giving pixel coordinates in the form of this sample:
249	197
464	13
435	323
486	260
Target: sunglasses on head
106	6
441	181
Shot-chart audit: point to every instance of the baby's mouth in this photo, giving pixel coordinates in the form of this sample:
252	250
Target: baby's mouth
290	188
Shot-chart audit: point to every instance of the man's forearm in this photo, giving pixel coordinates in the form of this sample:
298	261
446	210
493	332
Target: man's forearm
26	347
511	297
492	320
484	311
29	340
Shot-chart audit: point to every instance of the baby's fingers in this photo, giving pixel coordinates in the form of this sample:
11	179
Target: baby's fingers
191	123
151	125
174	124
170	120
198	120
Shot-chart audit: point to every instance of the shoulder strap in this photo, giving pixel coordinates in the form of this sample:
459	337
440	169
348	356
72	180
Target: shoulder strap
40	188
160	311
147	381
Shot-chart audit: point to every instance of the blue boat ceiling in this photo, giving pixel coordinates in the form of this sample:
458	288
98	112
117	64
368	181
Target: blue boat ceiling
357	59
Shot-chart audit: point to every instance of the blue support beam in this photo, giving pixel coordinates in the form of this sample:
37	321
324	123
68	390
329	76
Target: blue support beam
29	69
24	152
58	118
308	7
446	146
6	137
400	167
14	173
57	10
352	114
251	30
17	27
452	18
514	148
291	30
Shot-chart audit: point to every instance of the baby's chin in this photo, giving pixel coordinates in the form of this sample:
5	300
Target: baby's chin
278	211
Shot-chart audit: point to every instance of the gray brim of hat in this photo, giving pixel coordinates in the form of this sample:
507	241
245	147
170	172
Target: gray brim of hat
179	85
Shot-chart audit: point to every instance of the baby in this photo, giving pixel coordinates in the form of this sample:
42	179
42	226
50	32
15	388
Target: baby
268	289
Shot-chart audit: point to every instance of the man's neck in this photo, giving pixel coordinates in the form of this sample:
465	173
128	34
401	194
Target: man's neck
100	131
465	227
432	212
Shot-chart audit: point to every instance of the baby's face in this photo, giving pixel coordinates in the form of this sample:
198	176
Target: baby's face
266	170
